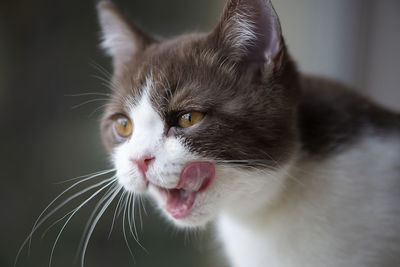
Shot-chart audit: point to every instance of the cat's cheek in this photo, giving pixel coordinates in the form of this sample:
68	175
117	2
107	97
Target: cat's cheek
132	183
127	174
231	189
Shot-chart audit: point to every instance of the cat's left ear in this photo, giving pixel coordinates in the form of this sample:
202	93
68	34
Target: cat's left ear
121	40
250	31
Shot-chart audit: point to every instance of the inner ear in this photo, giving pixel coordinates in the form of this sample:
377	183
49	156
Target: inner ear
121	40
250	31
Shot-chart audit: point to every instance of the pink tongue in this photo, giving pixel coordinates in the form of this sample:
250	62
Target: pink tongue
195	177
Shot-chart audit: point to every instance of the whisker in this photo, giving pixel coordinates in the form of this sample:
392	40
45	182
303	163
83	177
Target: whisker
128	214
115	213
96	220
69	199
54	223
143	205
97	109
101	69
123	227
121	207
87	94
86	175
39	222
106	81
140	213
131	220
101	201
262	163
89	101
109	84
73	213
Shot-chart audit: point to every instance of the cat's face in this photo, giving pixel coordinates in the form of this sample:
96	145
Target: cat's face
201	121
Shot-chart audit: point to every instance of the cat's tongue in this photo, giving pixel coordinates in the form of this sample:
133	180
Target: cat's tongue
195	178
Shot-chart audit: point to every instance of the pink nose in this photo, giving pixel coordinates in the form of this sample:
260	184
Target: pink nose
143	164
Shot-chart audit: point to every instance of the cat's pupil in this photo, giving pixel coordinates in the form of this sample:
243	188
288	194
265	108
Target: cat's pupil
188	117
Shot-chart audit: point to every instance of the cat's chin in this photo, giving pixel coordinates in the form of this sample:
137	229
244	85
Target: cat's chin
182	208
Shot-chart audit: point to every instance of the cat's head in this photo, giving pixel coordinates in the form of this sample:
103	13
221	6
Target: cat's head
201	122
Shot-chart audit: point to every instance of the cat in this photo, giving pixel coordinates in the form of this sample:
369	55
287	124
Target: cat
295	170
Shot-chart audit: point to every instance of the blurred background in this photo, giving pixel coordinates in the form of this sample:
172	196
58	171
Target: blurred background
49	52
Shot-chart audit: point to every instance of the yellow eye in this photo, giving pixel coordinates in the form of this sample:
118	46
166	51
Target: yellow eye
190	119
123	126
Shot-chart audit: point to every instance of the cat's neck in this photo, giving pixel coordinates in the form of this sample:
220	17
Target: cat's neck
304	223
329	186
251	208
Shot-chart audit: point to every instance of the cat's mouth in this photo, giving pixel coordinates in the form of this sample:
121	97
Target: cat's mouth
195	178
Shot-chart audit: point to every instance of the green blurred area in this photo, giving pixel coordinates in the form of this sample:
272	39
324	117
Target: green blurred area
49	51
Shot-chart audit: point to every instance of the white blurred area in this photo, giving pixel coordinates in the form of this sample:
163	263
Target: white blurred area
354	41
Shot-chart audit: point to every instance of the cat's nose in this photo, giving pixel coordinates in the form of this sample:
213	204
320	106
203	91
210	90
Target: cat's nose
143	163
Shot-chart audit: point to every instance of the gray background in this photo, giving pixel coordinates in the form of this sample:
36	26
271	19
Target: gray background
48	50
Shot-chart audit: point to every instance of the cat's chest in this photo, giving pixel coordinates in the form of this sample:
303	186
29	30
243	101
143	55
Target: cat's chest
272	246
246	247
318	223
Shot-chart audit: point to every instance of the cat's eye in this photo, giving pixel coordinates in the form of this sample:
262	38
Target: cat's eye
190	119
123	126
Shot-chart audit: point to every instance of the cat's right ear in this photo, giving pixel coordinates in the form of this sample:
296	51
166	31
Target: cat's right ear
120	39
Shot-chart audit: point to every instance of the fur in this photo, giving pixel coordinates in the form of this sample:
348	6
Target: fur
335	211
307	172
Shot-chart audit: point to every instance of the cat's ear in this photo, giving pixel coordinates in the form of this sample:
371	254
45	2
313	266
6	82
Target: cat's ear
250	31
120	39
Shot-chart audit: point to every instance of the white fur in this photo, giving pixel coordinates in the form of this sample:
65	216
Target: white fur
147	140
341	211
239	33
243	31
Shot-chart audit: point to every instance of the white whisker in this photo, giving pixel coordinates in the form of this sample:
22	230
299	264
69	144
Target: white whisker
143	205
86	175
121	207
96	220
101	201
140	213
131	219
69	199
54	223
87	94
131	215
97	109
89	101
39	222
73	213
123	226
115	213
101	69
